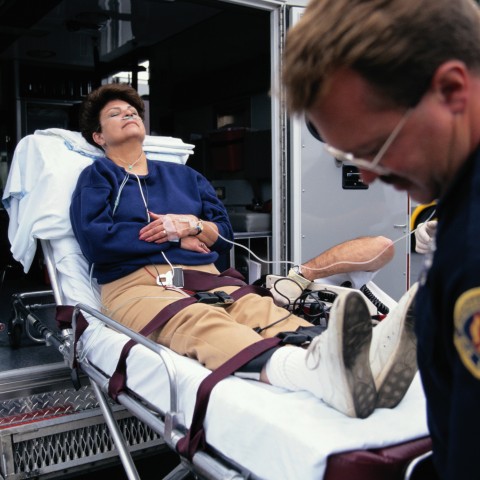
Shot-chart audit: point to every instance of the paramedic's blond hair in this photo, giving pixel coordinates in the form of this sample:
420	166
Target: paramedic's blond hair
395	44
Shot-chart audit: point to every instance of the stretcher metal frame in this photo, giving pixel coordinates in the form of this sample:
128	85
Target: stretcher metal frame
167	426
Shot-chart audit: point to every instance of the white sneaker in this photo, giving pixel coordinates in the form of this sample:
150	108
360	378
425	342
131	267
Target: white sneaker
393	354
341	357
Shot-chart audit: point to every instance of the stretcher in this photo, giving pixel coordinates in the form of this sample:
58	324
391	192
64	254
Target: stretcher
252	430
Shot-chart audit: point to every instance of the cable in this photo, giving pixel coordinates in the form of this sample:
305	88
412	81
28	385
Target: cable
167	260
286	279
120	189
143	197
434	211
326	295
288	262
381	307
247	249
260	330
94	290
300	307
117	200
342	262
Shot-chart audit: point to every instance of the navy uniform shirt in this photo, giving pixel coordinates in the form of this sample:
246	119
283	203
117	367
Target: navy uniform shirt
448	329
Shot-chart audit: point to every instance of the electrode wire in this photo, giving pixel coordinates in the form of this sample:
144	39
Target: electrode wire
319	269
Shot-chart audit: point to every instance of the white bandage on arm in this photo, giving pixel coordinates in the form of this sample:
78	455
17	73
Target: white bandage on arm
176	225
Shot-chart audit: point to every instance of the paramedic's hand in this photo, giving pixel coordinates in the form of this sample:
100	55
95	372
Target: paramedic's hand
287	289
424	236
168	228
193	244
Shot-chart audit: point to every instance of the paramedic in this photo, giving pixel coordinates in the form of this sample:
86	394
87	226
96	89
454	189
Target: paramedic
394	87
135	218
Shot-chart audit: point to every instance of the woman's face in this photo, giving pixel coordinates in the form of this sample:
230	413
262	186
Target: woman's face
119	122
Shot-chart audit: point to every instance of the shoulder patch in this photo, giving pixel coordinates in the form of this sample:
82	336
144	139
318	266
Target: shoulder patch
467	330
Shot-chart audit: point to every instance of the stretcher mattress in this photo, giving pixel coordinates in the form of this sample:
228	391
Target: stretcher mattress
274	434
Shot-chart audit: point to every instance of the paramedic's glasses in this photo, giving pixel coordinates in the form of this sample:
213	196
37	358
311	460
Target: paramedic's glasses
370	165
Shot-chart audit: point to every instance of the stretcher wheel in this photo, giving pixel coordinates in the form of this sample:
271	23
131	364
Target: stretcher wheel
15	332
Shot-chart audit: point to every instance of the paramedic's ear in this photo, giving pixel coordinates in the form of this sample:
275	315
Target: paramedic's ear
451	82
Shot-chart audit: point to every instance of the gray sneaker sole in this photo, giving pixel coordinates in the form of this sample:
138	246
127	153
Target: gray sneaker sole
357	336
402	366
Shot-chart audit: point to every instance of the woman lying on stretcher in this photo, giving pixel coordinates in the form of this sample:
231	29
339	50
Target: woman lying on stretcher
135	218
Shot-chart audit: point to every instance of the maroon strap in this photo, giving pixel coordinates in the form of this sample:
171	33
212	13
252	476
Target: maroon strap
118	380
119	377
256	289
195	438
63	316
197	281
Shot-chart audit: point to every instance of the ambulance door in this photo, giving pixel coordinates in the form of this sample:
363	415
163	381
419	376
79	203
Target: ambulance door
329	204
281	186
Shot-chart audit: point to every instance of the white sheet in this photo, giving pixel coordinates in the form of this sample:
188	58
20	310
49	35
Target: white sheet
273	433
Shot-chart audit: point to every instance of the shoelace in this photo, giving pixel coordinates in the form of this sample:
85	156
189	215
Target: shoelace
313	353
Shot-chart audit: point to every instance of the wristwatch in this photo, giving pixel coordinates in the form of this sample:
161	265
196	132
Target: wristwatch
199	228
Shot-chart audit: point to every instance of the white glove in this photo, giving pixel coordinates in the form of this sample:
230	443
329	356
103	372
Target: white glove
287	289
424	236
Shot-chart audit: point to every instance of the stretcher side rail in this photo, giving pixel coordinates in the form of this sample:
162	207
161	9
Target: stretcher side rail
168	425
161	351
64	344
172	427
52	272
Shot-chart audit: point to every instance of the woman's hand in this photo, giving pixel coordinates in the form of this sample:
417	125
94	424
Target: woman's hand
194	244
171	227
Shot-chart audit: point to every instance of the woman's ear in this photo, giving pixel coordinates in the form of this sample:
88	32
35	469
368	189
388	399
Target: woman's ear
451	82
98	139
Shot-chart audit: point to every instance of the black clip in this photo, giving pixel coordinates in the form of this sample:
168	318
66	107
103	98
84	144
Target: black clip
293	338
206	297
224	297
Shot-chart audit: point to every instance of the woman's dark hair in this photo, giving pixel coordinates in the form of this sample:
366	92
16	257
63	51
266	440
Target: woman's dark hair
89	118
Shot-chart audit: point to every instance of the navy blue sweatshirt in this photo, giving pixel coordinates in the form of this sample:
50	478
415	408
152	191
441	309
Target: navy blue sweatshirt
110	240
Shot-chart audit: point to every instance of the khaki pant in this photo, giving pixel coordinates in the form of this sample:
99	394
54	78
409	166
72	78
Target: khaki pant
211	334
